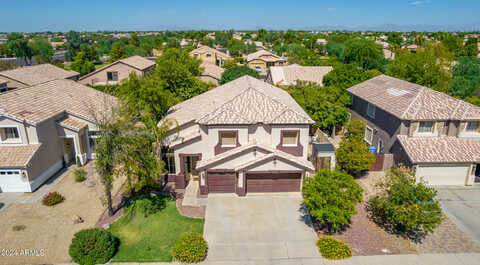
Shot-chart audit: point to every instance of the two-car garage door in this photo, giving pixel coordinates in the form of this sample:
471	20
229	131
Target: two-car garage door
443	174
273	182
12	181
224	182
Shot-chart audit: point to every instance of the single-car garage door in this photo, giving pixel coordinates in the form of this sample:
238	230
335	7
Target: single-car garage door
221	182
443	174
273	182
12	181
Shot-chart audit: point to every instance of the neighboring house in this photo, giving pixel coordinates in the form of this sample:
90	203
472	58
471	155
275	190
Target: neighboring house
211	73
388	54
412	47
289	75
436	135
33	75
210	55
43	128
244	136
120	70
322	41
262	60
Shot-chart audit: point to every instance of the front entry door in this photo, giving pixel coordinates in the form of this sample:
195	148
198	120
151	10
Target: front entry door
190	164
68	150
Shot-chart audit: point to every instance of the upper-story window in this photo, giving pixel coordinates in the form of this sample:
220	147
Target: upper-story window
228	139
195	54
112	76
472	126
209	55
351	99
9	135
368	137
290	138
371	109
425	127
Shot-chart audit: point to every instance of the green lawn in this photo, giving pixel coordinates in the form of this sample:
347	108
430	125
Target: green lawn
151	239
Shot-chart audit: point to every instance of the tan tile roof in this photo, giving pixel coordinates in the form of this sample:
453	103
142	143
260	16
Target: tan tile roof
264	55
289	75
204	48
17	155
138	62
445	149
72	123
245	100
252	145
38	74
3	81
212	70
410	101
37	103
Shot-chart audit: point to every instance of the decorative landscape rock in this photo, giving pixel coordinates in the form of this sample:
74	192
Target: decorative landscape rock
90	183
77	219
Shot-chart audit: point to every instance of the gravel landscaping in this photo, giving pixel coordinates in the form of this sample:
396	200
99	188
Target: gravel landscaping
367	238
50	229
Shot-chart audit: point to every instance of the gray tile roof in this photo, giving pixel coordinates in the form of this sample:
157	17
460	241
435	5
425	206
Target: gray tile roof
37	74
138	62
409	101
264	55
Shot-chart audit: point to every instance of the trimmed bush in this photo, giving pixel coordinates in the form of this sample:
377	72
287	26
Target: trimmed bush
332	248
92	246
190	248
80	174
52	198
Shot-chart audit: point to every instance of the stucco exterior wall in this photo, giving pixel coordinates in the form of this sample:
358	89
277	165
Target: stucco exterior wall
101	76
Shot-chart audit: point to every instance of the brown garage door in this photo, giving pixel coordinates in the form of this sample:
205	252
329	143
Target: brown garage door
221	182
273	182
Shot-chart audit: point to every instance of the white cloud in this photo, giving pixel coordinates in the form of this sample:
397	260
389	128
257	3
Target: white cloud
331	9
417	3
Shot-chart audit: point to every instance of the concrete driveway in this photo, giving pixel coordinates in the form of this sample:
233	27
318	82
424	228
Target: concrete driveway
462	205
258	227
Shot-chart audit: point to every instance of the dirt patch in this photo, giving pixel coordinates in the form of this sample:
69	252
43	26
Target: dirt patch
50	229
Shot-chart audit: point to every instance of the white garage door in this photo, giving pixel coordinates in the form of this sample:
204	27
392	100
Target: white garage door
443	175
12	181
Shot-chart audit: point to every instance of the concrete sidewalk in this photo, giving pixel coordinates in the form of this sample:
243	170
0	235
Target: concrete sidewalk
422	259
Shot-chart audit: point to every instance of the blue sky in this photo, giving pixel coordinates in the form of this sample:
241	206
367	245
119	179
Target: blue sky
91	15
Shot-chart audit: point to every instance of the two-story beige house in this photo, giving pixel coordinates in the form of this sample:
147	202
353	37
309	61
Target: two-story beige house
262	60
242	137
45	127
33	75
210	55
120	70
436	135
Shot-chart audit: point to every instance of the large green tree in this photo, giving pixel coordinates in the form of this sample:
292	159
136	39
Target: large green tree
237	72
180	73
327	106
466	77
362	52
331	198
81	64
41	49
425	67
347	75
19	46
118	52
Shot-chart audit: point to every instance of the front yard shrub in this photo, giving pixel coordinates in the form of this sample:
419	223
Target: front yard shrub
17	228
92	246
190	248
332	248
331	197
52	198
404	205
80	174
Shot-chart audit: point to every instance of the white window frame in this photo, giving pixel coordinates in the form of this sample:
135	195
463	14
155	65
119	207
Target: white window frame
112	72
365	135
296	141
228	145
374	110
20	139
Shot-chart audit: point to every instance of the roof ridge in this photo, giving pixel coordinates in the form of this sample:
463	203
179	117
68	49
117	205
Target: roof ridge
411	103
